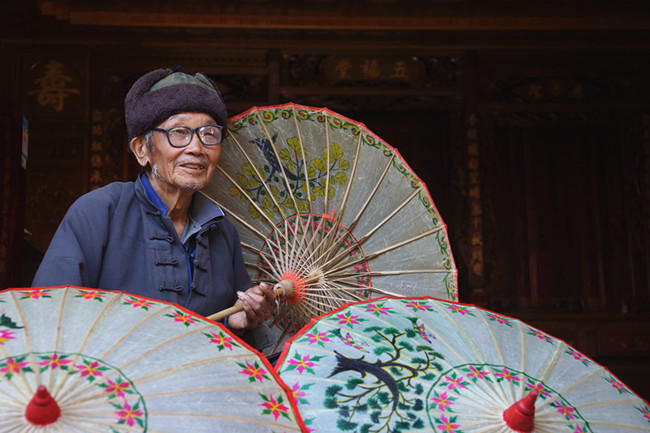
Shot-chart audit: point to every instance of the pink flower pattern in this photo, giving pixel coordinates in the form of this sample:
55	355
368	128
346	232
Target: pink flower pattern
499	319
117	388
54	361
476	373
459	309
455	382
223	341
254	371
505	374
564	409
90	295
317	337
273	406
184	318
619	386
539	334
418	306
36	294
448	425
578	356
11	366
138	303
378	309
539	387
645	411
303	363
129	415
442	401
6	335
90	369
348	319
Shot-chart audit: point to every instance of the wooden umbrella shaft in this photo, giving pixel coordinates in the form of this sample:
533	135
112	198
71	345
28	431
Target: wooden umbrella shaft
285	288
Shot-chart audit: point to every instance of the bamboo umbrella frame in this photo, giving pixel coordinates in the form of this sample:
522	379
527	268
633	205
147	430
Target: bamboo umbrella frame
316	246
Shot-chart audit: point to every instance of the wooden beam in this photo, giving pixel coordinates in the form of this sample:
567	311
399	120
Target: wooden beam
389	23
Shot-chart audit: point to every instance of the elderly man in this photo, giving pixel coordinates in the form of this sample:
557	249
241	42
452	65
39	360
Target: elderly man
157	237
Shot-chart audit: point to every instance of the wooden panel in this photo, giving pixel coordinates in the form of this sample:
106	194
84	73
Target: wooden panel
56	177
556	196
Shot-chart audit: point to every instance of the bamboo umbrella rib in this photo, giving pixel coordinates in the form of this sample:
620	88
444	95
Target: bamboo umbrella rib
347	293
76	399
328	145
26	388
576	383
305	246
73	423
315	304
74	383
303	155
294	241
469	341
301	314
370	256
282	170
343	277
309	305
188	365
59	319
280	340
330	238
284	177
273	273
353	286
273	246
391	215
550	363
339	217
241	220
119	342
263	182
365	237
328	152
308	256
246	420
361	211
79	391
497	347
250	161
327	297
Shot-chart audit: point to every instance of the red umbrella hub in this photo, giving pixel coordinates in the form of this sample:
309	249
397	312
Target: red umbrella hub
521	415
42	409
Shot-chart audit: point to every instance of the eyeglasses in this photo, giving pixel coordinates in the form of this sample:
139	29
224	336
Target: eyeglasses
181	136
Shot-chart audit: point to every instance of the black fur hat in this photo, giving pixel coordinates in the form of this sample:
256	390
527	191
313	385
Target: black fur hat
164	92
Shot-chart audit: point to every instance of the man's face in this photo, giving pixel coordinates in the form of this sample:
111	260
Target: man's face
189	167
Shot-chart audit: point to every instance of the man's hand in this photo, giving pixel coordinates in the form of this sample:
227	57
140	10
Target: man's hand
258	303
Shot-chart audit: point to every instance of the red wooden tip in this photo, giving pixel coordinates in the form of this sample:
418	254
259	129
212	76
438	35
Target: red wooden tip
42	409
521	415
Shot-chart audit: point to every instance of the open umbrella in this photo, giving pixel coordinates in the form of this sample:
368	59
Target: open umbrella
319	199
81	360
422	364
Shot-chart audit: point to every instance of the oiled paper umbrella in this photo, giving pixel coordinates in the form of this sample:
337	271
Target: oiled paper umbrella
79	360
398	364
319	199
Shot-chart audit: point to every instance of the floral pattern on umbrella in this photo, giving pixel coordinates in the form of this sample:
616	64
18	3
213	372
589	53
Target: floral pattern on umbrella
401	364
120	363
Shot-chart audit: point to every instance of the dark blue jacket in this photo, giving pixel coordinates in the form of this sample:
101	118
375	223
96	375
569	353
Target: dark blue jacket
115	238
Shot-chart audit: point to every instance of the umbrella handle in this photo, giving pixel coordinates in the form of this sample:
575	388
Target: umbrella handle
285	289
